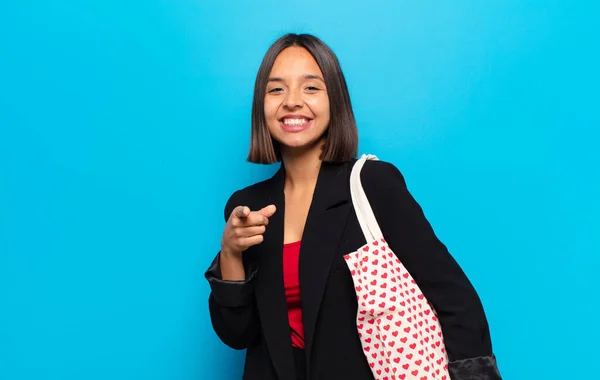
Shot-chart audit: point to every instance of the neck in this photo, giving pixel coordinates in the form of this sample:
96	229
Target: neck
301	168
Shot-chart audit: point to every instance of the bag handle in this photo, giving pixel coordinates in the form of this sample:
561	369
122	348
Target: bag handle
362	207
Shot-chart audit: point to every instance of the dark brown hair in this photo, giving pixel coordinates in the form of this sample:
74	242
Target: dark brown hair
342	137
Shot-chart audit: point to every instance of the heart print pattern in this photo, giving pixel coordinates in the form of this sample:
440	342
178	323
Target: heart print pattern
399	330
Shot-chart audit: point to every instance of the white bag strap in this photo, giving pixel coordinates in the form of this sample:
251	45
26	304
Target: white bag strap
364	212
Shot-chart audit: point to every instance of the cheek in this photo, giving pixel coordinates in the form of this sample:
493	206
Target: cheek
270	109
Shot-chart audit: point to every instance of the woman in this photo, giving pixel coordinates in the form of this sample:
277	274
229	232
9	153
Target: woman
280	286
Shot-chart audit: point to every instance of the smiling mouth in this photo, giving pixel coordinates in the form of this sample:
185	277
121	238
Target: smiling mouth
295	122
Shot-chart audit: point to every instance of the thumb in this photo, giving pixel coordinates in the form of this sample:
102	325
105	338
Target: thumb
268	211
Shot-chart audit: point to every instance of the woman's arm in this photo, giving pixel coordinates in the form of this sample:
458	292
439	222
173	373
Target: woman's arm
231	303
442	281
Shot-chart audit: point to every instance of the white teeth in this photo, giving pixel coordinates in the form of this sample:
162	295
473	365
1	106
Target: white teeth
295	121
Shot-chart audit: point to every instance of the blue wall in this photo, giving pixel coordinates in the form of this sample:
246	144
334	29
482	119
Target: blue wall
115	115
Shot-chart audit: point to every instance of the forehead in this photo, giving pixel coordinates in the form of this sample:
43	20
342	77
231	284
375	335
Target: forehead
293	62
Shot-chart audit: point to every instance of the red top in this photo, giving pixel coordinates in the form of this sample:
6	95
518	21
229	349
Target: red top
291	282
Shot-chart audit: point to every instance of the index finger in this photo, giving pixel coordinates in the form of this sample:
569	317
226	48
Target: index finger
241	211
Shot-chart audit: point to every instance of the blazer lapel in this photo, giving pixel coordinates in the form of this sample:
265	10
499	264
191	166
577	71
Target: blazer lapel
270	291
325	224
330	205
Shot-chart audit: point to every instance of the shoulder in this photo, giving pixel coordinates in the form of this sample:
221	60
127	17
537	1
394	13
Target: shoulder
380	173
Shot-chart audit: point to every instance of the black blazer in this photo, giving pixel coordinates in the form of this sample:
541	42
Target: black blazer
252	314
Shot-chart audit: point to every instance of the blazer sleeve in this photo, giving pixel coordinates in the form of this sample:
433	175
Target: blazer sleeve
441	279
231	303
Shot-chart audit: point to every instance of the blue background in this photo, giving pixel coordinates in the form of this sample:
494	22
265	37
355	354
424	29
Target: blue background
124	127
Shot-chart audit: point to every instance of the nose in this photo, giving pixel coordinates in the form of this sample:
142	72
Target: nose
293	99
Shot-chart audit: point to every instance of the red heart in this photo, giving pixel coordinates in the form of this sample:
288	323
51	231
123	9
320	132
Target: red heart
405	275
373	292
366	248
382	295
395	334
414	373
374	273
375	262
413	346
418	362
369	331
405	366
384	285
400	350
406	329
390	317
360	326
409	356
396	360
371	321
403	340
384	276
392	308
386	327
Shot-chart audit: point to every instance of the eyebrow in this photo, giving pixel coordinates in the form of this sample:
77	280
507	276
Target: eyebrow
309	76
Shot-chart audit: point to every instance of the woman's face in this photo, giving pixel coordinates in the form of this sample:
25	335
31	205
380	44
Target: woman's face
296	101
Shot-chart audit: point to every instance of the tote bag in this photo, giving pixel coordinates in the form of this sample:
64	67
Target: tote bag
399	330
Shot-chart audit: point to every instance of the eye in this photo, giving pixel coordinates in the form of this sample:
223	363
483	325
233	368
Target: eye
275	90
312	88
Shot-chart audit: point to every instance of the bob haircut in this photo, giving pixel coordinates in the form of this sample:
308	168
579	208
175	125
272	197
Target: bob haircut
341	136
